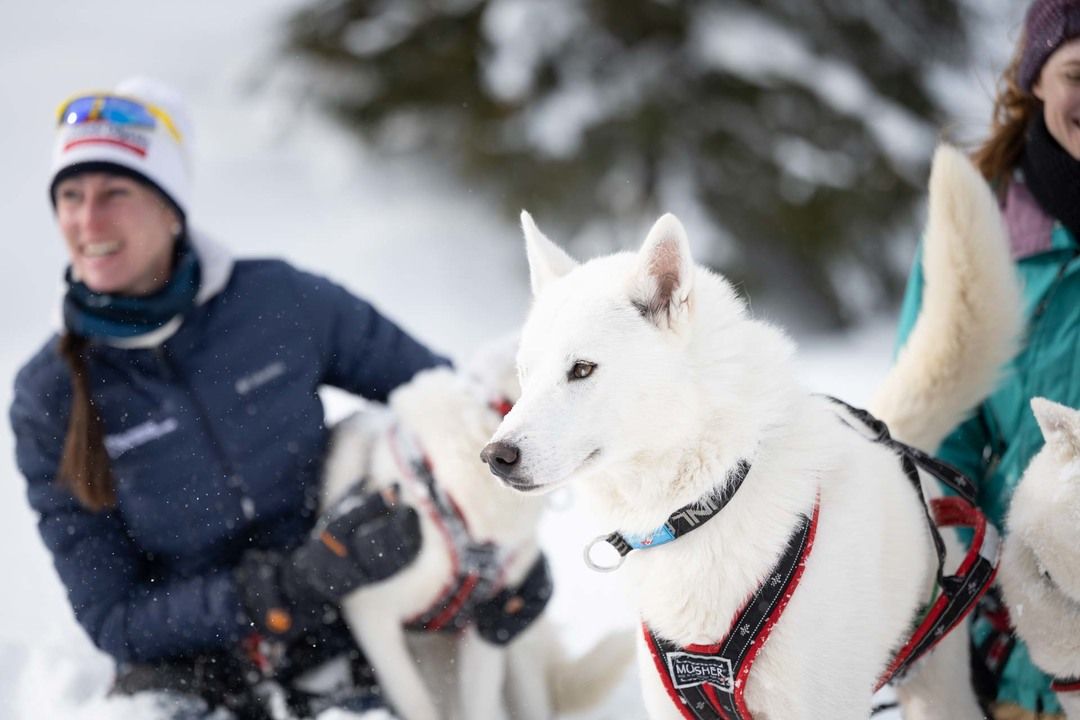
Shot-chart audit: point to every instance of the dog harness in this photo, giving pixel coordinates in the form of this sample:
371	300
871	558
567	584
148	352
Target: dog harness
708	682
955	595
478	569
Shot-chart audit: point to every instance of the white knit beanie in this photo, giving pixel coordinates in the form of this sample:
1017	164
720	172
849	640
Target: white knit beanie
152	154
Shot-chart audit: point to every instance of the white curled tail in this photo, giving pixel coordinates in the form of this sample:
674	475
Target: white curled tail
970	321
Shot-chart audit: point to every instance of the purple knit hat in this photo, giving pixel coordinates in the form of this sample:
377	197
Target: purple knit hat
1049	23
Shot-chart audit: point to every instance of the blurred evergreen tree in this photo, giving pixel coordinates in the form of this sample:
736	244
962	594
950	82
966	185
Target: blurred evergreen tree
798	129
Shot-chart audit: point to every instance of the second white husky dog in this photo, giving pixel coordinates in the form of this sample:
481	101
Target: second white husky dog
645	383
447	416
1040	565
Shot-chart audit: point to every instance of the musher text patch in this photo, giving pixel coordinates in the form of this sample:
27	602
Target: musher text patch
690	669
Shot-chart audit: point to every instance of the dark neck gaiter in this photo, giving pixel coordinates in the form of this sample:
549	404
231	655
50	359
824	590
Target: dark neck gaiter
1052	175
102	315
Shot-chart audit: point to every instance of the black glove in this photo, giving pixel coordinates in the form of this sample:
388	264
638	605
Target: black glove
503	617
361	539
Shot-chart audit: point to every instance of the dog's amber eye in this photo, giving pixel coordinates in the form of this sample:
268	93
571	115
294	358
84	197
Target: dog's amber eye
581	370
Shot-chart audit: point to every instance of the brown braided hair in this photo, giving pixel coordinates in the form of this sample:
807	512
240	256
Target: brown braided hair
1013	109
84	464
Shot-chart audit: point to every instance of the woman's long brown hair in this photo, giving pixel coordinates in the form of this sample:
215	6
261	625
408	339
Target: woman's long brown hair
1013	109
84	465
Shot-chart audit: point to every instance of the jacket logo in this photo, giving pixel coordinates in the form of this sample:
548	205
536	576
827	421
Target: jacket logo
689	669
119	443
260	377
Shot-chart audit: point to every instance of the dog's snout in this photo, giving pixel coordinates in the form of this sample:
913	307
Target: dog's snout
501	457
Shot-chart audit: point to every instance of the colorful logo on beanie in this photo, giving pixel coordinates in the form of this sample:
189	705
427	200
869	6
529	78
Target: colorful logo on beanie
104	133
690	669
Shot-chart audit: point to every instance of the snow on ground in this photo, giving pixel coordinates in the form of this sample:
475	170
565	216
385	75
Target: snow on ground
271	179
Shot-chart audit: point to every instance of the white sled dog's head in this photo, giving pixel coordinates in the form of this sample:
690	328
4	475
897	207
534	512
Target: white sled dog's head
631	362
1046	503
1040	565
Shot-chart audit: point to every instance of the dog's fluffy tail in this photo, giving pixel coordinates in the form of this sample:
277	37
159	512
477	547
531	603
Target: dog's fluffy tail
581	683
971	319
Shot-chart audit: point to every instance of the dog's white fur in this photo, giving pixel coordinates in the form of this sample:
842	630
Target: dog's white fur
677	398
1040	565
450	420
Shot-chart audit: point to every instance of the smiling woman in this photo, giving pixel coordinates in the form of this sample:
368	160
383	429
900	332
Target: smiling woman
172	436
1058	87
120	232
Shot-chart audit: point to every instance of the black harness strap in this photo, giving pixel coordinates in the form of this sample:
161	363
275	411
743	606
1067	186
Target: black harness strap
945	473
961	591
707	682
910	458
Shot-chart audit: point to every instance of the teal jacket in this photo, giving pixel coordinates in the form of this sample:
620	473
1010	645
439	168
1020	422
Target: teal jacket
994	445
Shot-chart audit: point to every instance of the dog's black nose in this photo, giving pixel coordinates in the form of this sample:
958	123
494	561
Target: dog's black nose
501	458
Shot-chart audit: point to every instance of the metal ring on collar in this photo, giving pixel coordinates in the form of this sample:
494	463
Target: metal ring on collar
595	566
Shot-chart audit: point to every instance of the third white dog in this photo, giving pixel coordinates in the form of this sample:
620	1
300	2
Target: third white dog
441	419
1040	565
646	384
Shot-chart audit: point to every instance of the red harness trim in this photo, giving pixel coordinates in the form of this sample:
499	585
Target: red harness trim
502	406
258	651
459	588
948	512
448	599
774	616
455	559
450	606
1070	685
663	673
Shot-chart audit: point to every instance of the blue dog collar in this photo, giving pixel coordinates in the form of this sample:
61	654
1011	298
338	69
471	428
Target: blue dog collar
684	520
660	536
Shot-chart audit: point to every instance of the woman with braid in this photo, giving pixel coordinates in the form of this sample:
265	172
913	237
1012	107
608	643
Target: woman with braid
172	439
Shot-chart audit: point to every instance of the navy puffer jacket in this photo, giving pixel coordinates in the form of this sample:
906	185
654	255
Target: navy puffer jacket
216	438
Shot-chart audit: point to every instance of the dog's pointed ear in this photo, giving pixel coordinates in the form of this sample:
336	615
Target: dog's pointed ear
665	274
1060	426
547	261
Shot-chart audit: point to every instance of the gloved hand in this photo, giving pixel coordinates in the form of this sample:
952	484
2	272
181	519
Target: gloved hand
362	538
505	616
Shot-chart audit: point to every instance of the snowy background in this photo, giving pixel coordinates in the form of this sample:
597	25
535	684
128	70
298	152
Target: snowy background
276	179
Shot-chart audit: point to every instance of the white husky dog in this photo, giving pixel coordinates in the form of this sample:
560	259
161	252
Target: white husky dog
446	415
645	384
1040	565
